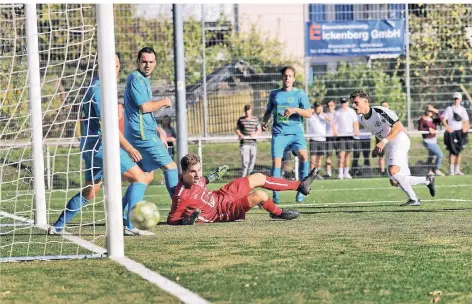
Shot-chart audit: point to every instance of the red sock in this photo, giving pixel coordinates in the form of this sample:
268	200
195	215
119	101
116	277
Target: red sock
270	207
280	184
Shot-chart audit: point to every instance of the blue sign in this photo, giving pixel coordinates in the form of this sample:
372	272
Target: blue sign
355	38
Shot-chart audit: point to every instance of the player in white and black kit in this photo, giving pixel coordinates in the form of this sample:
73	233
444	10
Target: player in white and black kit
385	125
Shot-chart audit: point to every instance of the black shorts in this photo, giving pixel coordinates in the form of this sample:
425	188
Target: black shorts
330	145
345	143
317	147
361	145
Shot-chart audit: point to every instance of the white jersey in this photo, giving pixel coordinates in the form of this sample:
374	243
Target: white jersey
329	125
344	120
455	123
380	122
317	126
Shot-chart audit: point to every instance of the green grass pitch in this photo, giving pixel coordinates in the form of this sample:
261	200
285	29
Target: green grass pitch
351	244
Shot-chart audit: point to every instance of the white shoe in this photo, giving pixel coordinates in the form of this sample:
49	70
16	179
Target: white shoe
458	172
430	173
451	173
340	177
348	176
136	232
412	203
438	173
54	231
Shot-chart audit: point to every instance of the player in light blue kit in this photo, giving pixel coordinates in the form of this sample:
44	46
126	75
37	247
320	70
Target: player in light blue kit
92	153
140	125
289	105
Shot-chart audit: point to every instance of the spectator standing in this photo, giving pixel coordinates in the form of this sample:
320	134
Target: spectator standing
246	127
330	139
429	123
171	136
317	130
345	127
457	124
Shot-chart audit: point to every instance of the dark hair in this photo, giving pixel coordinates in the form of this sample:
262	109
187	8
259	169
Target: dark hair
247	107
316	104
118	55
282	71
147	49
360	94
189	160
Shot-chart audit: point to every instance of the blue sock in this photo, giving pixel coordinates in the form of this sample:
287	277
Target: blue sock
172	178
303	170
73	206
135	195
124	202
302	173
276	172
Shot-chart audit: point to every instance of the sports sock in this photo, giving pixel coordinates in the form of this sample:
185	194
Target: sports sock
346	171
303	170
340	172
136	194
270	207
458	168
72	207
451	169
276	173
276	183
171	177
328	171
405	185
124	202
416	180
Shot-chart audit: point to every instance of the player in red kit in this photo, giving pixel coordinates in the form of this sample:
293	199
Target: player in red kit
193	202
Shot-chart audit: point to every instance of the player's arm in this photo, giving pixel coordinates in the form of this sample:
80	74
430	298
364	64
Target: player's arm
397	127
141	98
132	152
355	125
267	113
154	105
220	171
304	109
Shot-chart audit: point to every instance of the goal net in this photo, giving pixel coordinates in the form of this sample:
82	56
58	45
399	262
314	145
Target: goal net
67	41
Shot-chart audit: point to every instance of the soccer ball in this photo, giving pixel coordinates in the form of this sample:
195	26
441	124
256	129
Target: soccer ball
144	215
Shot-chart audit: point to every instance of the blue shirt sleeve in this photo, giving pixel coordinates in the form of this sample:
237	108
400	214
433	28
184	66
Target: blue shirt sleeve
139	92
303	100
270	104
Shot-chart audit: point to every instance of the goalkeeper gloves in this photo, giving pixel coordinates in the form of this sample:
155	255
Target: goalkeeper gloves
217	174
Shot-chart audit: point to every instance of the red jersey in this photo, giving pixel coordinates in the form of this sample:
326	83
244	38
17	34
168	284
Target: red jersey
187	199
229	203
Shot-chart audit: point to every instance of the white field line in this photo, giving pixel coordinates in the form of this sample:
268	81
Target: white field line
373	203
185	295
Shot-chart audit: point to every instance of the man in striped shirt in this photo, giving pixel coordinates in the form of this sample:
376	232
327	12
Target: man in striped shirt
248	126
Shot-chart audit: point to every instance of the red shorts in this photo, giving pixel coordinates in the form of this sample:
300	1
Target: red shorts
232	200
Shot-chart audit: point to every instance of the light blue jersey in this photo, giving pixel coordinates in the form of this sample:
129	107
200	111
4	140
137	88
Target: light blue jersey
138	126
279	100
91	139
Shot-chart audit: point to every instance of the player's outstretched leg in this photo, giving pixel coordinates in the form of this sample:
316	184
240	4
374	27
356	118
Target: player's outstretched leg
302	172
276	172
261	198
305	184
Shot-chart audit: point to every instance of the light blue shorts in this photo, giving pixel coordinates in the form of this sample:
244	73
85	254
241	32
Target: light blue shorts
281	143
93	159
155	154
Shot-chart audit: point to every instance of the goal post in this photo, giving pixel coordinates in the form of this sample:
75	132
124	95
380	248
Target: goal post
34	93
109	100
